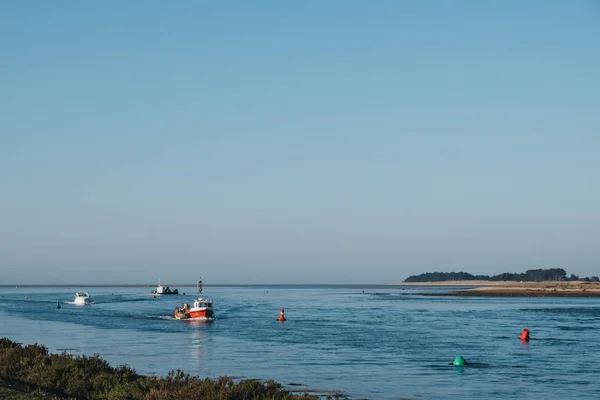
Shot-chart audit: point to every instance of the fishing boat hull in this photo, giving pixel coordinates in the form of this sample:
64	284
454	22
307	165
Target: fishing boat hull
202	314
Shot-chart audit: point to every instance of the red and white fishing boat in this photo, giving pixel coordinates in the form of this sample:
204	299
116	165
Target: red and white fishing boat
201	309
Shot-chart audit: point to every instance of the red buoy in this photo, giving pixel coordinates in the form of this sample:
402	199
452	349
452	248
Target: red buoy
281	316
524	336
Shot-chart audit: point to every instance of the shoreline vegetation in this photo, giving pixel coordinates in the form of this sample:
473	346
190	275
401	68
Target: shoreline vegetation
532	283
30	372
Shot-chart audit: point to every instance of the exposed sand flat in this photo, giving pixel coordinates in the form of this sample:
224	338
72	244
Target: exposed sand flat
451	283
534	289
518	293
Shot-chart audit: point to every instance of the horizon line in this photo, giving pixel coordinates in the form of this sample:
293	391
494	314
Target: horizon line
191	285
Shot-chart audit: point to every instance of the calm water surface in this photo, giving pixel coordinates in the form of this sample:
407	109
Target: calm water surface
393	345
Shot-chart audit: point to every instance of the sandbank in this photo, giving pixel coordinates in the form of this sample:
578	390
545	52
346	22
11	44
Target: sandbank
524	289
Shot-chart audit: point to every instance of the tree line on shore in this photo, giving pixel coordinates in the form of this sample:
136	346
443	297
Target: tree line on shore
531	275
31	372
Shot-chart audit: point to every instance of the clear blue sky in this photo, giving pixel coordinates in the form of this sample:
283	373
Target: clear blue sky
297	141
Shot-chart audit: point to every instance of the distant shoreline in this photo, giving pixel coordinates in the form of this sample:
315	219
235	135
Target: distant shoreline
78	285
459	288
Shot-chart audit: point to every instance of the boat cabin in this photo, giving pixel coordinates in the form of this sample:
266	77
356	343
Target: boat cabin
202	303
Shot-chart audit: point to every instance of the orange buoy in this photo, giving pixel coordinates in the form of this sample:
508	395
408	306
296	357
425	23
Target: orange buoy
524	336
281	316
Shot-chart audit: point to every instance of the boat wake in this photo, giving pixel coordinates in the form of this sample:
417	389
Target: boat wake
107	299
78	304
163	317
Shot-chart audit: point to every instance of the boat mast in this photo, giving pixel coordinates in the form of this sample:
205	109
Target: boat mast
199	287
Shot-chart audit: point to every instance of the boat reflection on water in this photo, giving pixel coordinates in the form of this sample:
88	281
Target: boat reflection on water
198	340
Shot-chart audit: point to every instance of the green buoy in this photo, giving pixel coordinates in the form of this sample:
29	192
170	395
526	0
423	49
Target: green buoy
459	361
57	304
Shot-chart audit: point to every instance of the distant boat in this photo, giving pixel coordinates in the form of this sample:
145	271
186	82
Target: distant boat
160	290
202	309
81	299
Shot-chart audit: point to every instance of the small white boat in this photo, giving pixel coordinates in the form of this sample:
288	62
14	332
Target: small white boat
160	290
81	299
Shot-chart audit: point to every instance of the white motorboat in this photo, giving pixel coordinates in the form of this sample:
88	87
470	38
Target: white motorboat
81	299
